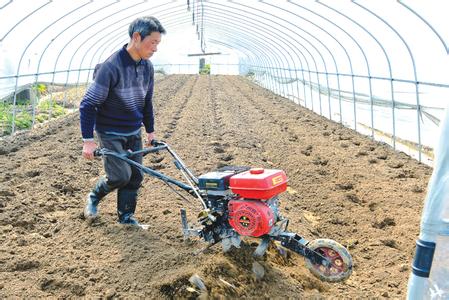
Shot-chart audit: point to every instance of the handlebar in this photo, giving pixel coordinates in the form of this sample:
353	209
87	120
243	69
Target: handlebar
157	146
98	152
191	187
156	143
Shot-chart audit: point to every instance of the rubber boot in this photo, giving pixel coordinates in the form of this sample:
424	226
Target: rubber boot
100	190
126	206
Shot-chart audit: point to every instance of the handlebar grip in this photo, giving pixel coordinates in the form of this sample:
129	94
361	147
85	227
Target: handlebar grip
97	152
156	143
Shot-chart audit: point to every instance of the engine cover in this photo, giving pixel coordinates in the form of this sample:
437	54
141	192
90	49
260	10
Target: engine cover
258	183
251	217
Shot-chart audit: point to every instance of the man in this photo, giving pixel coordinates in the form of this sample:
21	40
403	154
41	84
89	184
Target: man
116	104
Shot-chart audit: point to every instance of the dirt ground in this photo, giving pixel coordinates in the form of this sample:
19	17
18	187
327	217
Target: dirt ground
343	186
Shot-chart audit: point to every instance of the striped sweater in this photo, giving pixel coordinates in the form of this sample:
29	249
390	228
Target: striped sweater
120	98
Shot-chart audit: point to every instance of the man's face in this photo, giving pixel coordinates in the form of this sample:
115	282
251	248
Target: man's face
148	45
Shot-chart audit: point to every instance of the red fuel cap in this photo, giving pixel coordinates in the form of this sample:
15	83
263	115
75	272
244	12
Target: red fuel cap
256	171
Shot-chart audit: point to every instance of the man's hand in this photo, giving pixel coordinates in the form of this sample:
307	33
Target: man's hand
150	137
88	149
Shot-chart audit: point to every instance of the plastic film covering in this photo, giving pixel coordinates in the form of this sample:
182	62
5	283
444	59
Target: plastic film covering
376	67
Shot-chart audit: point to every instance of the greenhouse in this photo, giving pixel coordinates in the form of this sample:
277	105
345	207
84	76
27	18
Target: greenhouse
339	107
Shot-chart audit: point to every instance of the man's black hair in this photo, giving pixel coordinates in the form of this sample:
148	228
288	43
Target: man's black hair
145	26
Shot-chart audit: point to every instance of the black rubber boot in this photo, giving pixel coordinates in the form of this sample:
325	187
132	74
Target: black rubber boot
100	190
126	206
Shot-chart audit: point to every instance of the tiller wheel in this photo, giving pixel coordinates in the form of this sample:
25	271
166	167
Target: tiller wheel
338	263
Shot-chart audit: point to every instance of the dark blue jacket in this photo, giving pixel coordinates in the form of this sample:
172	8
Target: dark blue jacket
120	98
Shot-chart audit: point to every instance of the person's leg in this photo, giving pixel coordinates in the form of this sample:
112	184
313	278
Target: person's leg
127	195
126	206
100	190
118	173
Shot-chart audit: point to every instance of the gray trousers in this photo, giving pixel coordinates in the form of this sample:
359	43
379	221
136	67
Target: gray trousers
119	174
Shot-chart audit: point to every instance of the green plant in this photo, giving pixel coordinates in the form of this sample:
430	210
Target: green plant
205	70
40	88
40	118
4	112
56	109
23	118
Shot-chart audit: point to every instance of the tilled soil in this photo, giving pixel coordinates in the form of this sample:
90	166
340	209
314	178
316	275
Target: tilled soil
342	186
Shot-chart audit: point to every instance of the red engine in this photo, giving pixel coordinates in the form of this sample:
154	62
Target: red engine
252	217
255	217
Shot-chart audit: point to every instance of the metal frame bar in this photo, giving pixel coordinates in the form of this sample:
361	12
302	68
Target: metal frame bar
418	107
21	20
388	62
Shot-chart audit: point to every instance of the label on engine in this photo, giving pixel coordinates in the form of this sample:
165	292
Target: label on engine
277	180
244	221
211	184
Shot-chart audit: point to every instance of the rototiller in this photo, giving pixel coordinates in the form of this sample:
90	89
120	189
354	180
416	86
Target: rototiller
243	201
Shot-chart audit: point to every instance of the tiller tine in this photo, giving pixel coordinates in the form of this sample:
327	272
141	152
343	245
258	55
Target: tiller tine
186	231
262	248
